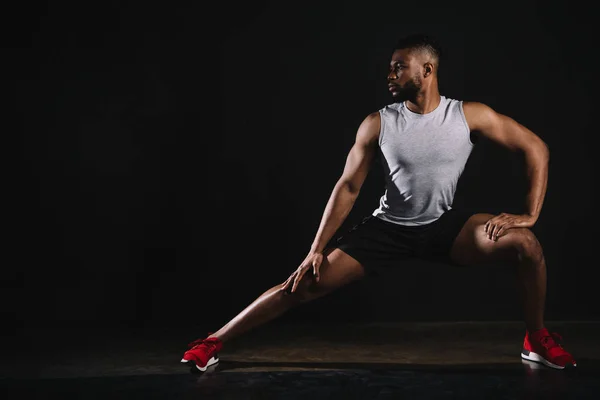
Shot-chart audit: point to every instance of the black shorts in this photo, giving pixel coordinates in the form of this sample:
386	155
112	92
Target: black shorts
379	245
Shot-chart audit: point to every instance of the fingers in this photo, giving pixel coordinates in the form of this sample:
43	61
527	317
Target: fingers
494	232
489	227
316	268
286	284
494	227
298	278
501	230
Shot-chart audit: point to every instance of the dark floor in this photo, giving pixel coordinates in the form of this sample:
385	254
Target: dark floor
302	361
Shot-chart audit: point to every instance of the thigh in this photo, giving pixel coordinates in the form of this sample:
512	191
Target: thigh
337	269
472	245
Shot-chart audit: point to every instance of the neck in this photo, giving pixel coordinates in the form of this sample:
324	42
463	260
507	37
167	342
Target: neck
425	102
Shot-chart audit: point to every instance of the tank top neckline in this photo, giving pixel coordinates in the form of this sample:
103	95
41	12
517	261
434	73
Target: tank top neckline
430	114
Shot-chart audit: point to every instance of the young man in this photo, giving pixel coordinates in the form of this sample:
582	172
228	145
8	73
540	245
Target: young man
424	140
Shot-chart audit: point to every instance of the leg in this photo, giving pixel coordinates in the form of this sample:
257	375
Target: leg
518	246
337	269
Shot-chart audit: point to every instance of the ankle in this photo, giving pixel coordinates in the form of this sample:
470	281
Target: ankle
215	337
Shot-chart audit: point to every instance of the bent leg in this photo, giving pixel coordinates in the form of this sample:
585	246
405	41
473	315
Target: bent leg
337	270
519	247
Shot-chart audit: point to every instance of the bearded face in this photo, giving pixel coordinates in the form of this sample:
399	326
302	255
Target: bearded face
407	90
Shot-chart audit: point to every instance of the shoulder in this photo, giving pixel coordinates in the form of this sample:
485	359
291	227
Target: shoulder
373	118
479	115
476	107
370	127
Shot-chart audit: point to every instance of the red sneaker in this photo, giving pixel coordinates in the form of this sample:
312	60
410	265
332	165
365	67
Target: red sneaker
203	353
544	347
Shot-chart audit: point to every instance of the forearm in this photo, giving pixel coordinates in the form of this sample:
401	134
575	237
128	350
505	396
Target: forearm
338	207
537	174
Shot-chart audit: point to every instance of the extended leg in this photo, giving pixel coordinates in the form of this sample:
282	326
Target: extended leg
337	270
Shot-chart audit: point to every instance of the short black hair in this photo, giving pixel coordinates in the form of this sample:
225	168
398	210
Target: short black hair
421	41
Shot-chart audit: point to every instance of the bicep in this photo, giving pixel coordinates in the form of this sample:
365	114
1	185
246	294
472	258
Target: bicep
361	154
500	128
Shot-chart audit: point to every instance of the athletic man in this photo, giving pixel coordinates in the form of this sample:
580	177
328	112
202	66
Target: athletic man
424	140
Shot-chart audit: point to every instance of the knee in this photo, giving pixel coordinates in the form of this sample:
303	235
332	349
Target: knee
528	247
305	291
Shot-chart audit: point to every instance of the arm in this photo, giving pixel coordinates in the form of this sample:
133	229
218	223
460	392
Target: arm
347	188
343	196
508	133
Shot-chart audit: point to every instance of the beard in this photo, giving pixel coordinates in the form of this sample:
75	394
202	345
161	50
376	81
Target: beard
408	91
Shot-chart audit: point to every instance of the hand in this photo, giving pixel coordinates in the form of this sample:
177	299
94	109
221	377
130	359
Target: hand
499	224
312	261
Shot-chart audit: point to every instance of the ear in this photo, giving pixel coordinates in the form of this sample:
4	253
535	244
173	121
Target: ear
428	69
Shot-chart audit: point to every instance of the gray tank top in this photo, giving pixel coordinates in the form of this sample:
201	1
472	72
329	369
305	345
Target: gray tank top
423	155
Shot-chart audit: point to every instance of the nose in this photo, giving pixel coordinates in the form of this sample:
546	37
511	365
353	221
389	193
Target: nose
392	76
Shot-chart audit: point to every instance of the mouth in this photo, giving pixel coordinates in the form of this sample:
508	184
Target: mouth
393	88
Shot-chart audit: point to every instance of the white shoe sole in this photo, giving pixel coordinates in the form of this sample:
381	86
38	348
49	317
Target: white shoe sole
210	362
531	356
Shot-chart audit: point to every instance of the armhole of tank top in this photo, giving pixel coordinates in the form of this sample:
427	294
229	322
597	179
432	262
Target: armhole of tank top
464	119
381	125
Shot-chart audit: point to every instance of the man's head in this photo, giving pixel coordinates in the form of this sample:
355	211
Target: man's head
413	67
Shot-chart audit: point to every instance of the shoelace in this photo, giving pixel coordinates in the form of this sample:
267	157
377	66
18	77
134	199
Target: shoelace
195	343
552	340
198	342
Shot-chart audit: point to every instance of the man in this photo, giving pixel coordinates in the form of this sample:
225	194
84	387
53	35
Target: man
424	140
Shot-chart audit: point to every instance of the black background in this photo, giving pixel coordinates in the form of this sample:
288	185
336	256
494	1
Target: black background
176	158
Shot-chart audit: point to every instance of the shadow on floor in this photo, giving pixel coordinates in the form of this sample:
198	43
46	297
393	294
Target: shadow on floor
458	360
244	380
